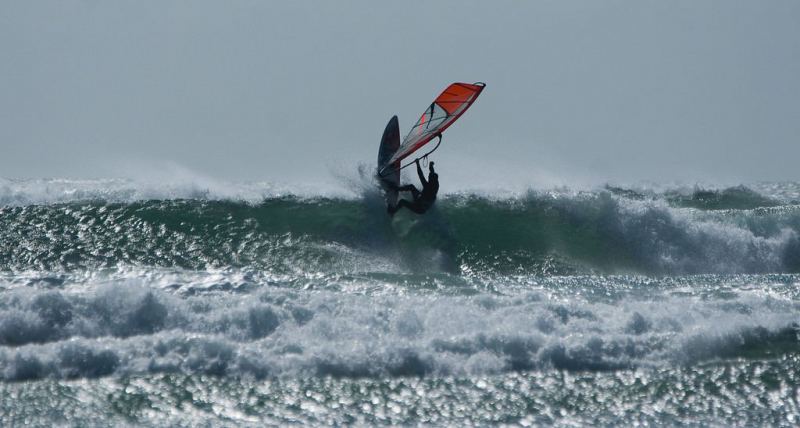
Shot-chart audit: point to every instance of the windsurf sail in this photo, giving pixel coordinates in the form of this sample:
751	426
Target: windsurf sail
442	112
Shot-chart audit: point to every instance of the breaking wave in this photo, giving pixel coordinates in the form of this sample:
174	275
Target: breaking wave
610	230
125	327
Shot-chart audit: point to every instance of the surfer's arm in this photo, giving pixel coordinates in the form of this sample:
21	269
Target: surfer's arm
421	175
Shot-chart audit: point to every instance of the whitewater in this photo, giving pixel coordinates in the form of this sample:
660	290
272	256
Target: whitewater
245	304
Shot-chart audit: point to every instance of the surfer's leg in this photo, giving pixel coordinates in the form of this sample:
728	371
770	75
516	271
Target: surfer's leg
417	208
409	188
400	204
412	206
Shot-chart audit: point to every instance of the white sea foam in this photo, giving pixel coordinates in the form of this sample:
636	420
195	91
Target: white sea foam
135	325
50	191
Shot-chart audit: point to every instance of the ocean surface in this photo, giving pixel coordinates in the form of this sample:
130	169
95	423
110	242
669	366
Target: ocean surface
131	304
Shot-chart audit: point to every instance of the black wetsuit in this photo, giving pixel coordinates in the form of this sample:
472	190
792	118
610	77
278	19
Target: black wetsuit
421	201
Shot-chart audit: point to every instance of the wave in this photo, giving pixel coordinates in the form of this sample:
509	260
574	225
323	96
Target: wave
61	191
737	197
127	326
559	232
188	185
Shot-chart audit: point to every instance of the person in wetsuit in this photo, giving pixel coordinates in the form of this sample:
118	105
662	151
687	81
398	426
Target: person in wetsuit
421	201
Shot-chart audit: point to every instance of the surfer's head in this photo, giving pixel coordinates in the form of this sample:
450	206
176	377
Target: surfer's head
430	168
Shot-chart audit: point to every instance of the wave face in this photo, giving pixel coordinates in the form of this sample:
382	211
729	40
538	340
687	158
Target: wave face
178	305
606	231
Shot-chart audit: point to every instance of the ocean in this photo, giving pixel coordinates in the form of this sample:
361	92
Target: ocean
131	304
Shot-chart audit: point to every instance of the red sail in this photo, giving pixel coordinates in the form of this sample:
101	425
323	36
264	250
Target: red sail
444	110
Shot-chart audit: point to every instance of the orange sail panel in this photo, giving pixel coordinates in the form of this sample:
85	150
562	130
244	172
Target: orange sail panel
444	110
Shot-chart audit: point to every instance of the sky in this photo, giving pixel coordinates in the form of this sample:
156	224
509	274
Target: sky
300	91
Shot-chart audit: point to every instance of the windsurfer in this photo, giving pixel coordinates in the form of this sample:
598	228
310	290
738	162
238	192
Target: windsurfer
421	201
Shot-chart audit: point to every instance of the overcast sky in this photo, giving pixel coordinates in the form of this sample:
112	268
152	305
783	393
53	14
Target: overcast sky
299	91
